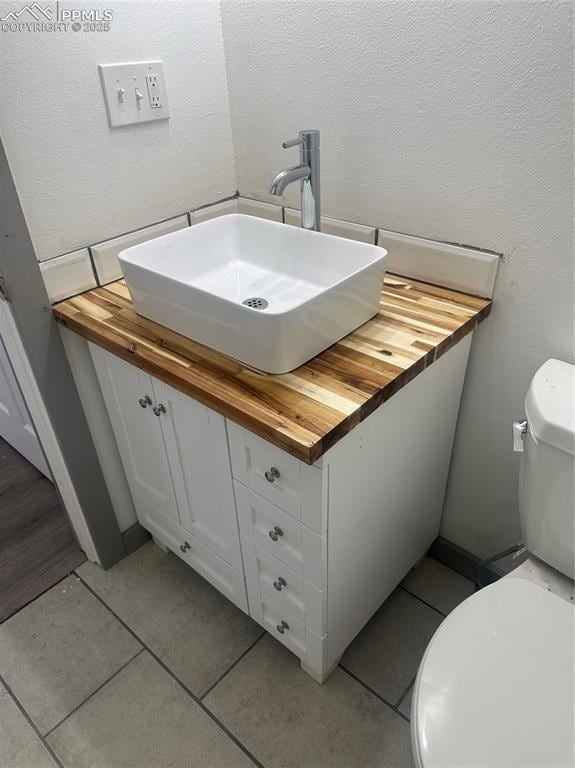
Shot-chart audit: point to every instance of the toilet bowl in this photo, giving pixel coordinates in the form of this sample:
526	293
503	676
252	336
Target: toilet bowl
496	685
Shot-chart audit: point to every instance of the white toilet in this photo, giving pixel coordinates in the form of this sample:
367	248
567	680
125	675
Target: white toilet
496	686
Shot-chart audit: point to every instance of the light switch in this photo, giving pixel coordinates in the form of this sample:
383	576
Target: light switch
134	92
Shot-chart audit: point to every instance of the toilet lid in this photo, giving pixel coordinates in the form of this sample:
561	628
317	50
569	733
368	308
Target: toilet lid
496	686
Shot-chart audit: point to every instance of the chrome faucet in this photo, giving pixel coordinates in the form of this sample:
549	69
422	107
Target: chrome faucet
307	172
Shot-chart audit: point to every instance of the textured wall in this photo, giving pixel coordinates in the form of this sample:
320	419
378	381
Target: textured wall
451	120
79	181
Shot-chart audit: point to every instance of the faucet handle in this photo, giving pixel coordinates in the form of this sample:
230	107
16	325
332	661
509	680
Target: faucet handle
292	143
308	139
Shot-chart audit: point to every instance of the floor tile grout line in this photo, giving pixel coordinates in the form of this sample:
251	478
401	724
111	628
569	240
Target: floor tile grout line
198	699
40	594
421	600
404	694
94	692
374	692
174	677
232	666
31	723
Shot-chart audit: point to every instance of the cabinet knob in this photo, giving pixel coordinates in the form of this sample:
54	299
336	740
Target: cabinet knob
158	409
185	546
272	474
281	582
145	401
275	533
282	626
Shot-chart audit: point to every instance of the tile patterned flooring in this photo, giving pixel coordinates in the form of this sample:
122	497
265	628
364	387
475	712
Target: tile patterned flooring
147	666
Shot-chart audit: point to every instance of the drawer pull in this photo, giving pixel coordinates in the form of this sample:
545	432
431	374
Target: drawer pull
161	408
145	401
281	582
185	546
272	474
282	626
275	533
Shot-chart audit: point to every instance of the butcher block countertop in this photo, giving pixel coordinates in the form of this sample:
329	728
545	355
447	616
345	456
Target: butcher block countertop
306	411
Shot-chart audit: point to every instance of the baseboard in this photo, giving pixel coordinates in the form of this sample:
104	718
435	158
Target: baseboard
133	537
463	562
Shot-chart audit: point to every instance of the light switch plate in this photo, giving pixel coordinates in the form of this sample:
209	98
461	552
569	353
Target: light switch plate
134	92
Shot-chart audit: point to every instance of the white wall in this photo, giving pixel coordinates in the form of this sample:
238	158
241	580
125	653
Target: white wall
79	181
451	120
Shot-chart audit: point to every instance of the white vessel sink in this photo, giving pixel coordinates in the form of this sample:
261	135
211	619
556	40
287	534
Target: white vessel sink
304	290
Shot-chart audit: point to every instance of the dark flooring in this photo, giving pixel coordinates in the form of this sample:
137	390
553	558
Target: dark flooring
37	545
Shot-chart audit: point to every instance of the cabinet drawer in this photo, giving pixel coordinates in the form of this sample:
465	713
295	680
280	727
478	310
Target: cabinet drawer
280	478
308	646
290	590
277	533
220	575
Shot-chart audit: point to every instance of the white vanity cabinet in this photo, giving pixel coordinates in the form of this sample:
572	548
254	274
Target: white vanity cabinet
175	456
311	552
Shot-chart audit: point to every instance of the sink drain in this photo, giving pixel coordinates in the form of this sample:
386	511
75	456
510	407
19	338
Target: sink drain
255	302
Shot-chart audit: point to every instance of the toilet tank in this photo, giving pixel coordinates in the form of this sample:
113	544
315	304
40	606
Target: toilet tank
547	472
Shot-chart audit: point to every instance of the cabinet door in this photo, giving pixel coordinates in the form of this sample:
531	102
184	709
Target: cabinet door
197	447
137	431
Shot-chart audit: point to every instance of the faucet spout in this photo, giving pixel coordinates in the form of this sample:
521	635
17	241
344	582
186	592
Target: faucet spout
287	176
